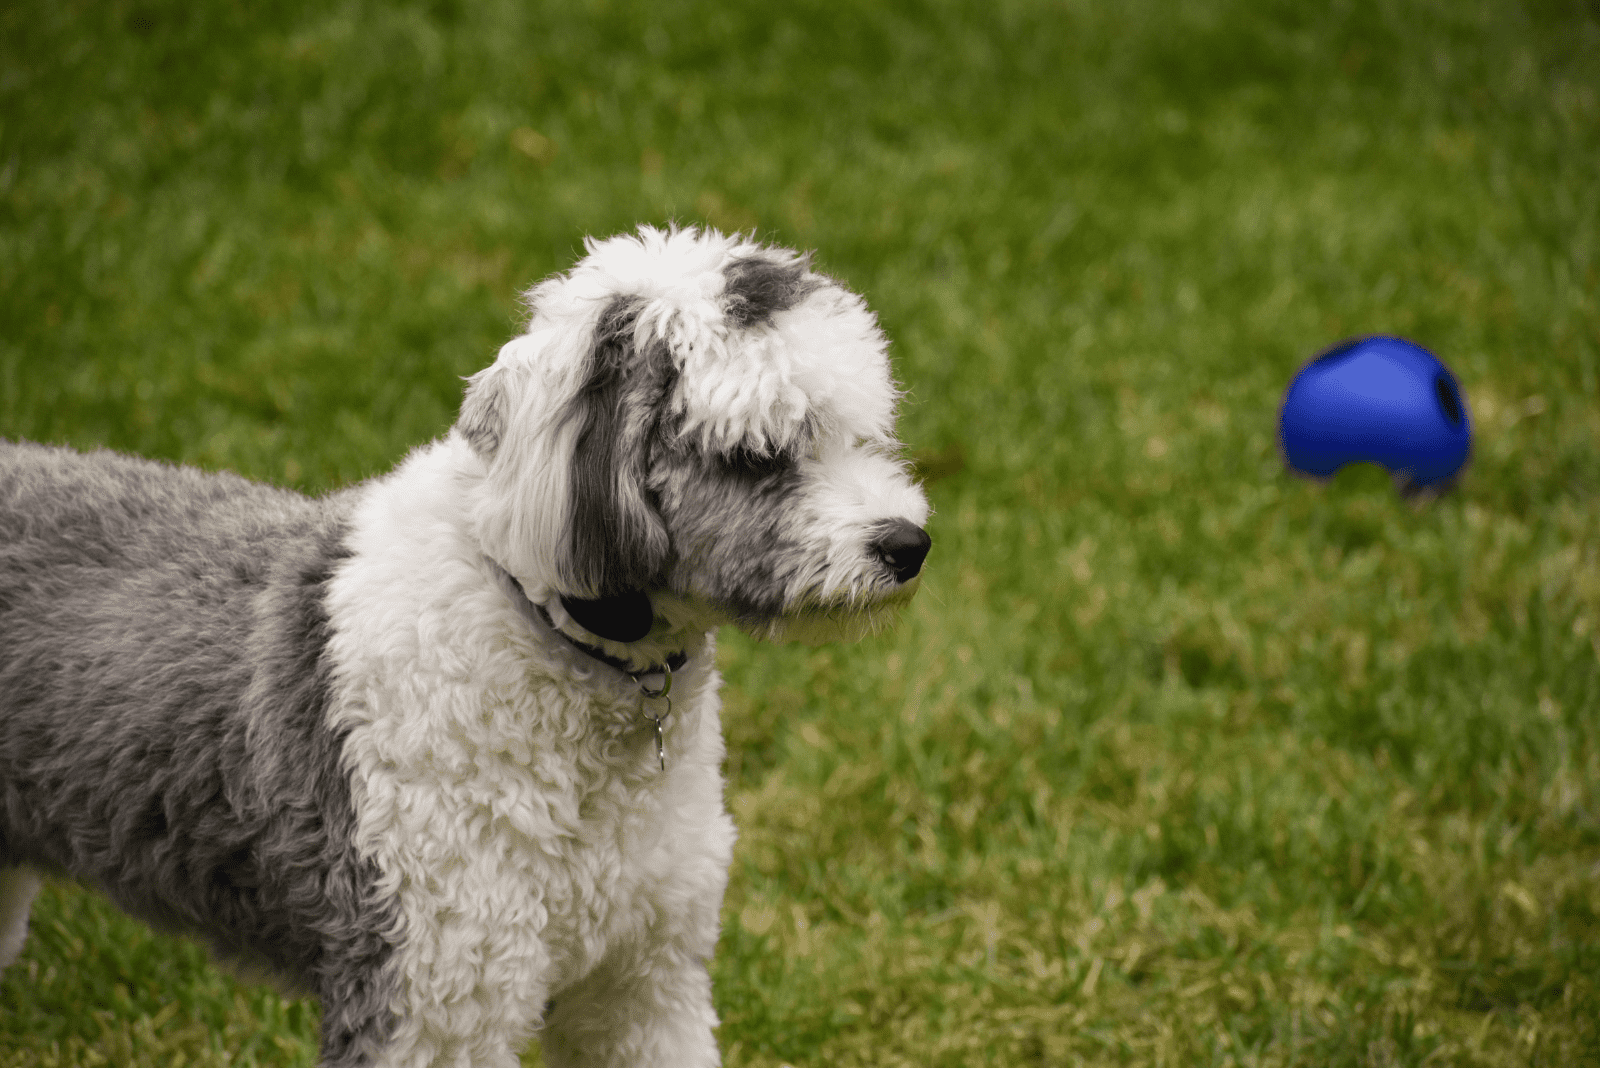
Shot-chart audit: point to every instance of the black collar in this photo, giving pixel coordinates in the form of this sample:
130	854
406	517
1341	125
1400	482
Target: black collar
673	663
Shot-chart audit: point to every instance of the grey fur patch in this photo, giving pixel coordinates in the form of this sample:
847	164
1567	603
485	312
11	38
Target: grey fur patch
618	543
727	513
164	689
758	287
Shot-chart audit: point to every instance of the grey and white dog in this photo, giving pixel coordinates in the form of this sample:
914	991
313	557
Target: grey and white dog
411	747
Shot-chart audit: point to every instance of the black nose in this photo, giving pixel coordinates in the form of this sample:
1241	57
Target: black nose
903	546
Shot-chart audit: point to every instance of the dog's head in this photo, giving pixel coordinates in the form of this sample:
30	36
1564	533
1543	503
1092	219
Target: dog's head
698	420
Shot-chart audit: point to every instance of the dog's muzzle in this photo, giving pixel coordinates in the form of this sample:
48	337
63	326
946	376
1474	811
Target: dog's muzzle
902	545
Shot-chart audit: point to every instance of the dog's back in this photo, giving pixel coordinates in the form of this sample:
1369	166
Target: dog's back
163	694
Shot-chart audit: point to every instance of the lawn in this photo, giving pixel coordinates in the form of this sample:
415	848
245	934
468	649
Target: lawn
1176	759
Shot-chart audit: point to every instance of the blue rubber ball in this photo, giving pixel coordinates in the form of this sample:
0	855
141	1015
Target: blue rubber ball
1380	400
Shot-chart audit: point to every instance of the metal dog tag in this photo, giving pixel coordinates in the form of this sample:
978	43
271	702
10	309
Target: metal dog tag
649	694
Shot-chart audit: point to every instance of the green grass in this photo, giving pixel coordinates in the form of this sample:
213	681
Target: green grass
1176	760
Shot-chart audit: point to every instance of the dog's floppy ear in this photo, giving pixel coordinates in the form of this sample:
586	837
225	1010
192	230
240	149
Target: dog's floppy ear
484	410
617	544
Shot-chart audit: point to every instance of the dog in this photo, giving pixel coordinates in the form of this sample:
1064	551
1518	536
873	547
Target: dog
443	748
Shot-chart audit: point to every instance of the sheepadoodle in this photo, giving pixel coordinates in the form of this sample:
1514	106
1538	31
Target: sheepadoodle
443	748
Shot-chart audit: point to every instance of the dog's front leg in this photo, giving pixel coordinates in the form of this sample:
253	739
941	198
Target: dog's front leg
652	1010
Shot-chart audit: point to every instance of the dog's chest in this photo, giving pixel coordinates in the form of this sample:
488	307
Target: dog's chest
516	809
535	833
606	880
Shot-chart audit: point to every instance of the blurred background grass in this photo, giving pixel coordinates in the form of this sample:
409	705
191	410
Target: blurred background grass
1176	760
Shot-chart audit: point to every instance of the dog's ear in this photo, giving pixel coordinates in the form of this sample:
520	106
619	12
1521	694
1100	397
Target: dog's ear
484	410
518	510
617	545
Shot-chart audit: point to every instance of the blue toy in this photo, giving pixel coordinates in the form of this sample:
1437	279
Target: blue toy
1380	400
